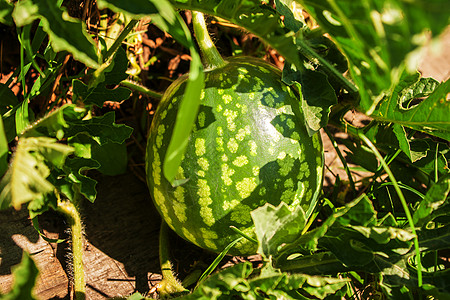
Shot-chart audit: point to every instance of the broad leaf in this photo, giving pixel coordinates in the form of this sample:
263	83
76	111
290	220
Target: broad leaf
436	196
275	226
378	37
65	32
75	169
293	14
166	18
260	20
317	96
6	9
426	154
430	115
102	129
358	212
434	239
224	284
111	156
56	123
25	180
25	275
111	76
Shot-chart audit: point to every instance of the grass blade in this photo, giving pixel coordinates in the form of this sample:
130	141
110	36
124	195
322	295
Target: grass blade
216	262
402	200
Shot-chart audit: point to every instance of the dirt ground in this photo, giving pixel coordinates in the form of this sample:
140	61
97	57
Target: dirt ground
121	230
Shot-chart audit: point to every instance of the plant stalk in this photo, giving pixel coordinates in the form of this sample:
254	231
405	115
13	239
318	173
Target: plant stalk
404	204
120	39
170	284
211	56
70	211
141	89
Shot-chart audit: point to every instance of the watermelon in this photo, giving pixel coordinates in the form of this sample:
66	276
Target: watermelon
249	146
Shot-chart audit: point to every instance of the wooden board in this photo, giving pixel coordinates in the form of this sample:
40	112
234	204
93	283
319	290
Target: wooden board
121	245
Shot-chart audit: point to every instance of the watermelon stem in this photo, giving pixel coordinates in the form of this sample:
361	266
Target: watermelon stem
211	56
70	211
170	284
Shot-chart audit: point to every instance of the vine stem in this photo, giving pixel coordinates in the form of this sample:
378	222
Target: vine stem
141	89
170	283
70	211
402	200
211	56
96	76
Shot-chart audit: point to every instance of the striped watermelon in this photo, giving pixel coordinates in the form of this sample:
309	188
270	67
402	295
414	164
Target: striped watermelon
249	147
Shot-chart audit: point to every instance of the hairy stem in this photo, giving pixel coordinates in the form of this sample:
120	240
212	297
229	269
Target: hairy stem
71	212
211	57
141	89
169	284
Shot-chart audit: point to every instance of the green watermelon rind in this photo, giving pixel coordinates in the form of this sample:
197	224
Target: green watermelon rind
249	147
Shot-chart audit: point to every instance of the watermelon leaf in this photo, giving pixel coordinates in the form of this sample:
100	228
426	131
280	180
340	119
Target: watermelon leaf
25	276
6	10
258	19
112	75
102	129
435	198
317	95
75	169
378	38
275	226
25	180
167	19
430	115
65	32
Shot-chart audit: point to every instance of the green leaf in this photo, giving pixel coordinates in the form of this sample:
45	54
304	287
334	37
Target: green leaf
161	12
434	239
112	157
317	96
22	117
75	169
166	18
56	123
224	283
102	129
426	154
430	115
25	275
435	197
258	19
358	212
293	15
186	117
135	296
111	76
316	286
65	32
378	38
276	226
25	180
7	98
6	9
4	149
